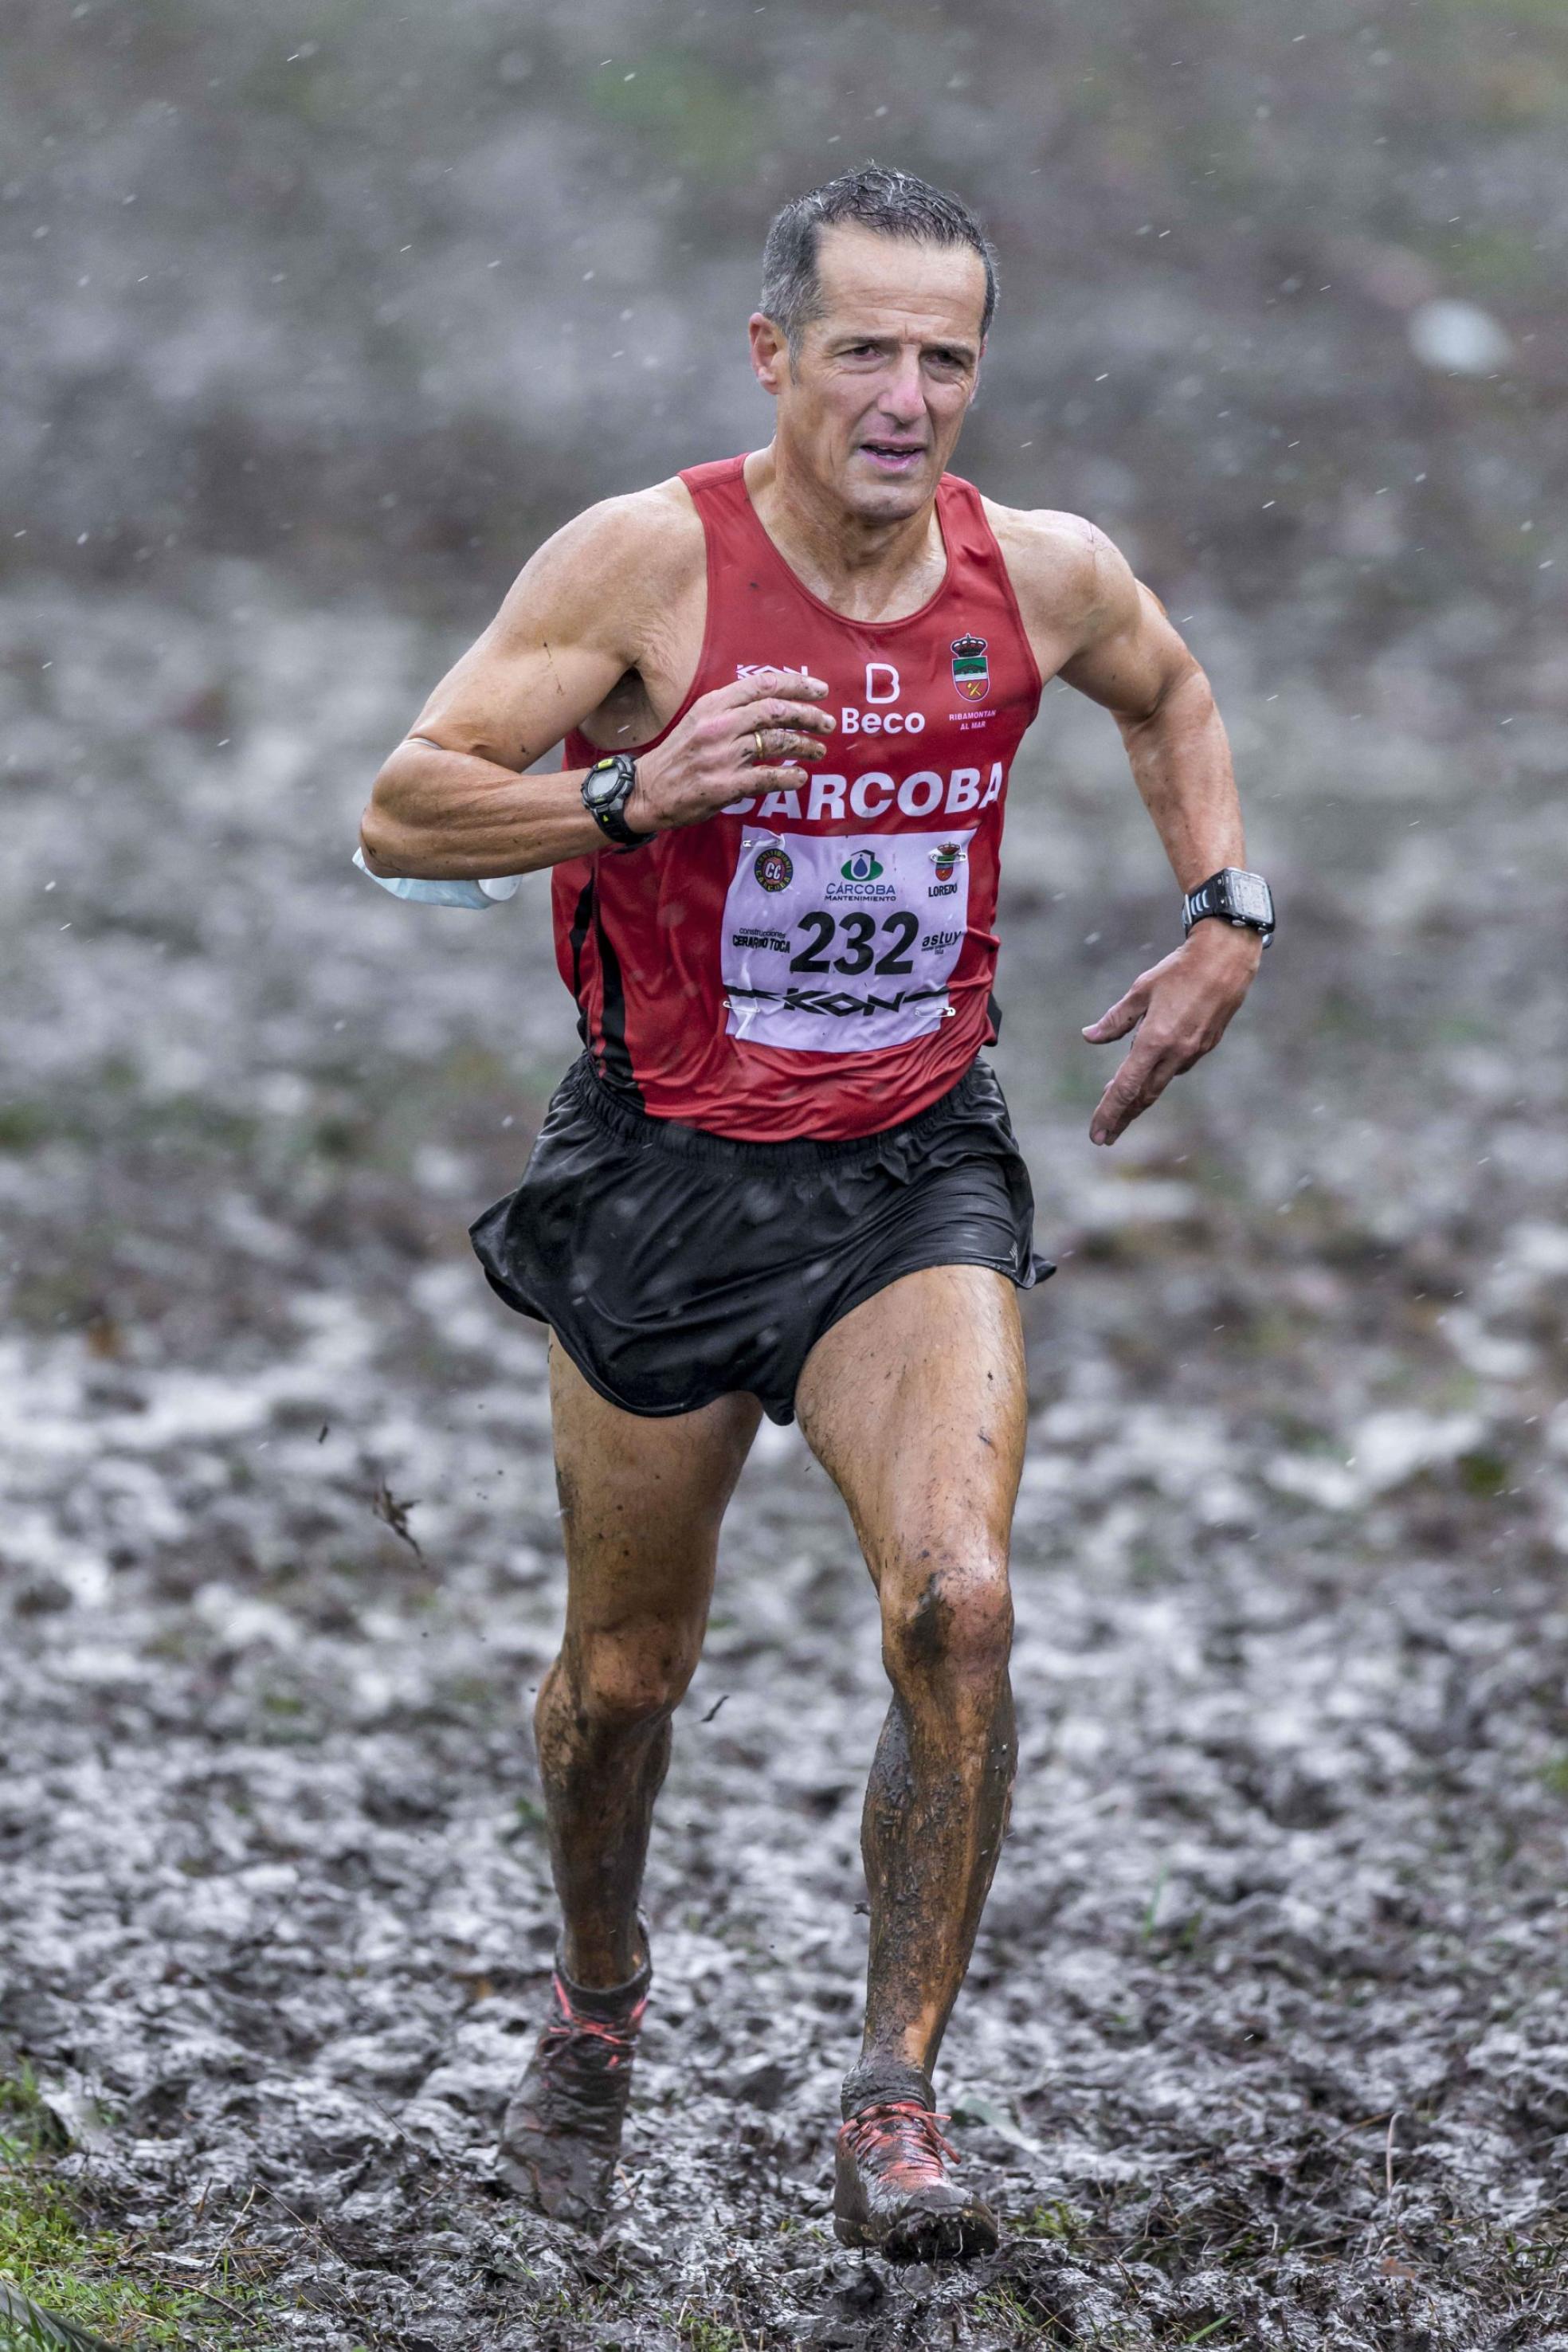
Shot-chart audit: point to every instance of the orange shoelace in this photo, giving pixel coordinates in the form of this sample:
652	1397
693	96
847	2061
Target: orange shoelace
618	2037
898	2131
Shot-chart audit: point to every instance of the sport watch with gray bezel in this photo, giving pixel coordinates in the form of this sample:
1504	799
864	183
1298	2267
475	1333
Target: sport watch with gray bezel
1233	896
606	788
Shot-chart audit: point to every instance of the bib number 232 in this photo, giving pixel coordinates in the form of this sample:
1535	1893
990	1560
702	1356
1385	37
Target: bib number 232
843	945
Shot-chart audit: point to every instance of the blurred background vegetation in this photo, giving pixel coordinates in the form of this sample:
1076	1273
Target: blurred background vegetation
380	295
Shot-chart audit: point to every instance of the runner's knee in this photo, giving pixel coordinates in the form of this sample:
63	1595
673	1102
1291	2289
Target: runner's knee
950	1619
621	1680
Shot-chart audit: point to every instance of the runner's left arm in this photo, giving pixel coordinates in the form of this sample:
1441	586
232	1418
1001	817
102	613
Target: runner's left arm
1107	634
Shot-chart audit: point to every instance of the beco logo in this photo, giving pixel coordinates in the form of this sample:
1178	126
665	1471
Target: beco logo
862	868
883	686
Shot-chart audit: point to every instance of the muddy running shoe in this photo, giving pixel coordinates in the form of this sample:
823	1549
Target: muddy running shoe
893	2191
562	2135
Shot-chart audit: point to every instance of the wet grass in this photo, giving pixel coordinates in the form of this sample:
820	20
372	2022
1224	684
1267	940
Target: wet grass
86	2283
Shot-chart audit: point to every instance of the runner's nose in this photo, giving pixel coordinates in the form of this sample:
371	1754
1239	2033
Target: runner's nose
900	402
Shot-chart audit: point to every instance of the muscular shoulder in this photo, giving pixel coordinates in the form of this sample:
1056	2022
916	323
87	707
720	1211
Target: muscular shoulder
1073	583
653	535
614	572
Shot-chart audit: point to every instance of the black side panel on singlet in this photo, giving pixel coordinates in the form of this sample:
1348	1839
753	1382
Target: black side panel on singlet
583	915
617	1071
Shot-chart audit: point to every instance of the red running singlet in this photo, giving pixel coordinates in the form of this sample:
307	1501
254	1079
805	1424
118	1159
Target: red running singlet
817	963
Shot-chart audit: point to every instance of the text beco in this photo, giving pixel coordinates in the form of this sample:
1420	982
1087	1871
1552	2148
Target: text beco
881	722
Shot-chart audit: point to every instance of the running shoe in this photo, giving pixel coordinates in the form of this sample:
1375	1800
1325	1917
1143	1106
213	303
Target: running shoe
561	2139
893	2191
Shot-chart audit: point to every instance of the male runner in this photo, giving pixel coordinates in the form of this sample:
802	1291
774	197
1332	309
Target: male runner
779	1178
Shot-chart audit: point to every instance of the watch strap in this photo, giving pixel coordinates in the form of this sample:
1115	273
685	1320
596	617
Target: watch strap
607	810
1235	896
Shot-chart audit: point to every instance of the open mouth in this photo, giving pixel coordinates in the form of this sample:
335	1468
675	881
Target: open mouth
894	458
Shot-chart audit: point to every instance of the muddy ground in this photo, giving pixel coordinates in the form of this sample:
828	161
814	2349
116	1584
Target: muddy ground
1266	2040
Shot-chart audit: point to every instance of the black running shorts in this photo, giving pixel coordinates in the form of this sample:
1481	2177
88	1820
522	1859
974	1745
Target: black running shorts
676	1266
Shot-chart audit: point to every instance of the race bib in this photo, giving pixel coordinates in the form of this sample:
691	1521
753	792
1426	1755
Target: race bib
843	944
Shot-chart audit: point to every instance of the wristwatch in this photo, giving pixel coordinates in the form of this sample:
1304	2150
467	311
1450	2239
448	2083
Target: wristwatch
606	788
1235	896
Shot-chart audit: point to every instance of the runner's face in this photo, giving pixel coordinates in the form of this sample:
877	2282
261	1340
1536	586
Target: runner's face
876	398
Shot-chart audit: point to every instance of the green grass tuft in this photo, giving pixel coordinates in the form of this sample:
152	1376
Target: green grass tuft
68	2284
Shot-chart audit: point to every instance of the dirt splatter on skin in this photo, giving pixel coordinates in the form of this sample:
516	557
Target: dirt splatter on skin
929	1842
1263	2039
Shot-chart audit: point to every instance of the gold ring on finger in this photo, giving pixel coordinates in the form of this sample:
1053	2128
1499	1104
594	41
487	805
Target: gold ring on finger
760	756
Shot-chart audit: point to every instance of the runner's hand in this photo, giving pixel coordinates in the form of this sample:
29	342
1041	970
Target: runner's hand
711	756
1181	1009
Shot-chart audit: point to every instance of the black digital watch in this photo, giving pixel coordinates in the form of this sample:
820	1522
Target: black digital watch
606	788
1232	896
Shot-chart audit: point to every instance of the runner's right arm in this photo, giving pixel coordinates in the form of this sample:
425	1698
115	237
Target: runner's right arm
452	803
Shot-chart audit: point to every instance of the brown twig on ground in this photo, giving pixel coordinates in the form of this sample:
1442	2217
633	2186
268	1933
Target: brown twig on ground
394	1512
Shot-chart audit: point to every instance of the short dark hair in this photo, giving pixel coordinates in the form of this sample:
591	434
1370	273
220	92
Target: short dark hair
892	203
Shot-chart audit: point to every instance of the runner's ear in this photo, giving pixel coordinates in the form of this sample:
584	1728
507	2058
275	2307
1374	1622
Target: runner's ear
770	352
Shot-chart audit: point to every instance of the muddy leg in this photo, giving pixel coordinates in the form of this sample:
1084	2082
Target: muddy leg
641	1503
936	1809
916	1405
641	1506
